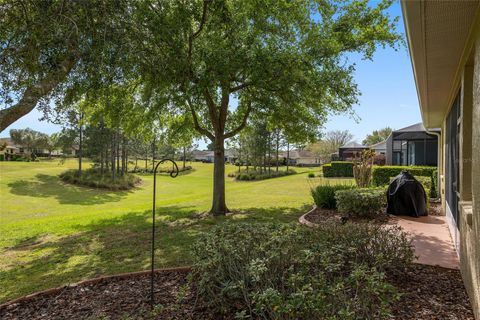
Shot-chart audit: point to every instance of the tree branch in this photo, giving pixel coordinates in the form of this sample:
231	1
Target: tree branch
203	20
212	109
240	87
199	128
35	92
242	125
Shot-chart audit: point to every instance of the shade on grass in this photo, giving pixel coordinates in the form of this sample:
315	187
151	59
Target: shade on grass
52	233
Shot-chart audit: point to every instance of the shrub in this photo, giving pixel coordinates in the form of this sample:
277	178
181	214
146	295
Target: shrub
257	175
273	271
94	179
324	195
362	168
2	157
366	202
382	175
311	175
338	169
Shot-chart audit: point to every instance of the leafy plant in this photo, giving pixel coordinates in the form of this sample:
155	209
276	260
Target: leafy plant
311	175
365	202
274	271
324	195
362	168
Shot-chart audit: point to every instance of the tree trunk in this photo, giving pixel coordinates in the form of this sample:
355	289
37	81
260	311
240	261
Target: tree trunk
269	144
219	206
153	154
288	154
113	149
184	157
102	165
80	147
117	141
277	147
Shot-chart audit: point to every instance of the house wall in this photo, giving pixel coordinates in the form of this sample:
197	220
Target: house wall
389	155
470	185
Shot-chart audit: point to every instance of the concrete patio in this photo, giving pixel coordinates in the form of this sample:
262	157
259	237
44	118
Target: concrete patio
431	238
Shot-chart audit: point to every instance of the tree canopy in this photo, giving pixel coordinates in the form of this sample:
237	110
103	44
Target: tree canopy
377	136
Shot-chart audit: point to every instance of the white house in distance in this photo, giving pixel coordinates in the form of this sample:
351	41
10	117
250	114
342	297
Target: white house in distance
379	147
300	158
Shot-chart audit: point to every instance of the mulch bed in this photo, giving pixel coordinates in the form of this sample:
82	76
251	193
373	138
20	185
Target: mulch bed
320	215
432	293
427	293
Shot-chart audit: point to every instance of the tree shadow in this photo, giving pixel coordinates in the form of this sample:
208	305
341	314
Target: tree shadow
46	186
117	245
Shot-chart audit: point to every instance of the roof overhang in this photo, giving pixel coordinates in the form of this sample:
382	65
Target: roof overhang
439	41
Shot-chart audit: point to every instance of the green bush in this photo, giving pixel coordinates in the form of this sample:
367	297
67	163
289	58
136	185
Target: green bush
93	178
366	202
311	175
273	271
324	195
2	157
382	175
338	169
257	175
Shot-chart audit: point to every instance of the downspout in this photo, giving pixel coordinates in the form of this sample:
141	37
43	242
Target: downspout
439	155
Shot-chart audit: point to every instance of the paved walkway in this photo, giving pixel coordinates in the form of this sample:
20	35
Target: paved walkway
431	238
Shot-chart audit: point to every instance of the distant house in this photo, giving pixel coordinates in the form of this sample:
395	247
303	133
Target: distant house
301	158
15	149
379	148
207	156
412	146
350	150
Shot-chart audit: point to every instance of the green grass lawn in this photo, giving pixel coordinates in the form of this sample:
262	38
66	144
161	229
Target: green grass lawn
52	234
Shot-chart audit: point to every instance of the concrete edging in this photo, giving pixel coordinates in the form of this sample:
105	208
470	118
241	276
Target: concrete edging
126	275
307	223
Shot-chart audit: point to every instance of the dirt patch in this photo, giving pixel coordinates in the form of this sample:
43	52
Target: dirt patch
427	293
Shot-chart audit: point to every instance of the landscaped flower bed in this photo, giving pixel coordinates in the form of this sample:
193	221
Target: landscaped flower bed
426	293
95	179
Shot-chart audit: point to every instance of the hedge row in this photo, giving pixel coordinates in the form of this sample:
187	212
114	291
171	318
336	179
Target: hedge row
382	174
338	169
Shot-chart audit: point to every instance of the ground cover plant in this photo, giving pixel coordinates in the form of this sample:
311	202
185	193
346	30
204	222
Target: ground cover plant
274	271
56	233
93	178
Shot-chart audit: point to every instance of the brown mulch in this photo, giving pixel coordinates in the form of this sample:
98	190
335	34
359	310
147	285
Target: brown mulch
427	293
432	293
114	298
320	215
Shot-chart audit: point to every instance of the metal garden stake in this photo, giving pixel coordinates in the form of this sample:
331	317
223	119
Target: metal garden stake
173	174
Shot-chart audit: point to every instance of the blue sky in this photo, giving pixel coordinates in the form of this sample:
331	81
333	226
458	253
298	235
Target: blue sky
388	97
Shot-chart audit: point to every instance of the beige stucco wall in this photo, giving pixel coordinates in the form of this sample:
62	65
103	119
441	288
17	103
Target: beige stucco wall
470	213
